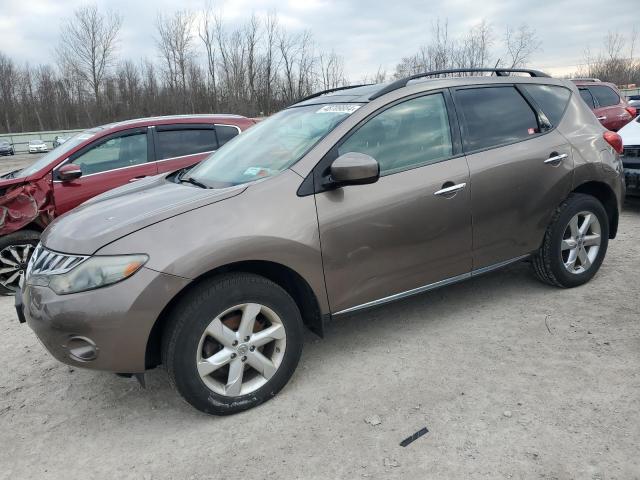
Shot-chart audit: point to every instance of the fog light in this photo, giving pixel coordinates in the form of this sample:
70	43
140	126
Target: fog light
82	349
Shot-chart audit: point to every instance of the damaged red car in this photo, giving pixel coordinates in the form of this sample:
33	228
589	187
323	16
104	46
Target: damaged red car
91	163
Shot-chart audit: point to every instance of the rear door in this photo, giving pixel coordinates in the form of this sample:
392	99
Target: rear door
520	166
609	110
403	232
109	162
183	145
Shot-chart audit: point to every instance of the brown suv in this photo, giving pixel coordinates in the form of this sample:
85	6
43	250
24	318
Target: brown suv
344	201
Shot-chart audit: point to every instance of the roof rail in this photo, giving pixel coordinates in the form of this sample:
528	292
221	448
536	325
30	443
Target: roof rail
331	90
585	79
498	71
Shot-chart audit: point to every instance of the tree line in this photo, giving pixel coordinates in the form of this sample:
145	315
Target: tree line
252	69
205	65
615	61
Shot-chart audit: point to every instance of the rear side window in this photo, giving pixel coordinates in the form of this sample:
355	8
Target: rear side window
587	97
188	141
494	116
407	135
604	95
551	99
225	133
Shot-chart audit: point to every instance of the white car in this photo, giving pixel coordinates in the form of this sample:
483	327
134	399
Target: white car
36	146
630	134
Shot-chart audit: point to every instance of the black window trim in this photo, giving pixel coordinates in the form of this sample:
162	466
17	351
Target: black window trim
595	100
313	183
96	143
540	116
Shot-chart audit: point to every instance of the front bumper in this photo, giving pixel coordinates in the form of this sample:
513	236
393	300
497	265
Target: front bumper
632	180
115	320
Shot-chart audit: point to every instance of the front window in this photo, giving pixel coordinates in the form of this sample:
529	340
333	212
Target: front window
56	153
119	152
271	146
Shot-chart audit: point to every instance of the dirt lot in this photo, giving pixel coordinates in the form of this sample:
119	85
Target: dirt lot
19	160
513	379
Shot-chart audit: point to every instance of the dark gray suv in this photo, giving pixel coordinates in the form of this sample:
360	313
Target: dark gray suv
347	200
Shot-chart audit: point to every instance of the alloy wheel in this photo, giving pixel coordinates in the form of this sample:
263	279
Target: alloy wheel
241	349
13	264
581	242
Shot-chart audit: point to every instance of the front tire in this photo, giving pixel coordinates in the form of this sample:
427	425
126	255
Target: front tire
232	343
15	251
574	244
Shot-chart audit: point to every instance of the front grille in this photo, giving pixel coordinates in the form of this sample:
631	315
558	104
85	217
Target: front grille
631	156
47	262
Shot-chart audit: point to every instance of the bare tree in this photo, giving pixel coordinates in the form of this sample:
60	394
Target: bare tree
175	42
520	45
331	70
9	77
88	43
207	35
615	61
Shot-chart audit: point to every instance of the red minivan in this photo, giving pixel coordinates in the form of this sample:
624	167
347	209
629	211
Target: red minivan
607	104
93	162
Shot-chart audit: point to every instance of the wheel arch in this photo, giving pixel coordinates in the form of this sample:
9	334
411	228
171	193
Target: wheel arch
291	281
604	193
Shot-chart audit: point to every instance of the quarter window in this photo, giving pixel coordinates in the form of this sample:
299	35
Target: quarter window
587	97
604	95
407	135
551	99
225	133
188	141
494	116
119	152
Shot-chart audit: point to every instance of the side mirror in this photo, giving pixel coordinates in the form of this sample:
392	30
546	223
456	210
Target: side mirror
69	172
354	168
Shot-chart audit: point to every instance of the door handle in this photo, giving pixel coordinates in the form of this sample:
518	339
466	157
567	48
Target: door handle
450	189
135	179
556	158
602	118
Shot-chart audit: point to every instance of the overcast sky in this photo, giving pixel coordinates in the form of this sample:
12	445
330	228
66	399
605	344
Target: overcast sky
367	33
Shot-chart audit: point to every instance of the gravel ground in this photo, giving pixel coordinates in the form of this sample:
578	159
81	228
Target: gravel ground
513	379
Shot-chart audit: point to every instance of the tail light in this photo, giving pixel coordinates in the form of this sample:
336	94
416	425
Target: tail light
614	140
633	111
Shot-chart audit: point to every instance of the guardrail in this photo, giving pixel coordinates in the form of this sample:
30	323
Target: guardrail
20	141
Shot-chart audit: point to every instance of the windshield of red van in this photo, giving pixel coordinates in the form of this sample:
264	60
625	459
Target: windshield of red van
271	146
56	153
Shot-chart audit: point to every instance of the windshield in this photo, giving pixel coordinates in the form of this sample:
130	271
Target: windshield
271	146
56	153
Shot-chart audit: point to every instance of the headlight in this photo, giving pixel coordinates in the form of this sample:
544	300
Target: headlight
96	272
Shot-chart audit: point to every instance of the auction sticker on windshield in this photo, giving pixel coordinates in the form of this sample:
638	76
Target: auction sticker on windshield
339	108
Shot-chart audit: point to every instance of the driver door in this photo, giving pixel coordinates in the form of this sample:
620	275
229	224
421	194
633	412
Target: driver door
107	163
411	229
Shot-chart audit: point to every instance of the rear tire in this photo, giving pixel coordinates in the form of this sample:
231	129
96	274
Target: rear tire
221	364
15	251
574	244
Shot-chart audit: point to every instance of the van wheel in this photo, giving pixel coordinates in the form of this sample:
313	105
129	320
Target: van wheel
232	343
15	251
574	244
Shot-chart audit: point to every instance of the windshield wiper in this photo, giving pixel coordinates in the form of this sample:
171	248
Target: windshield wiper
191	180
11	174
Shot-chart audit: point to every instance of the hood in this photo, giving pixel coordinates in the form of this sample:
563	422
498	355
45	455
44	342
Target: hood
6	180
124	210
630	133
